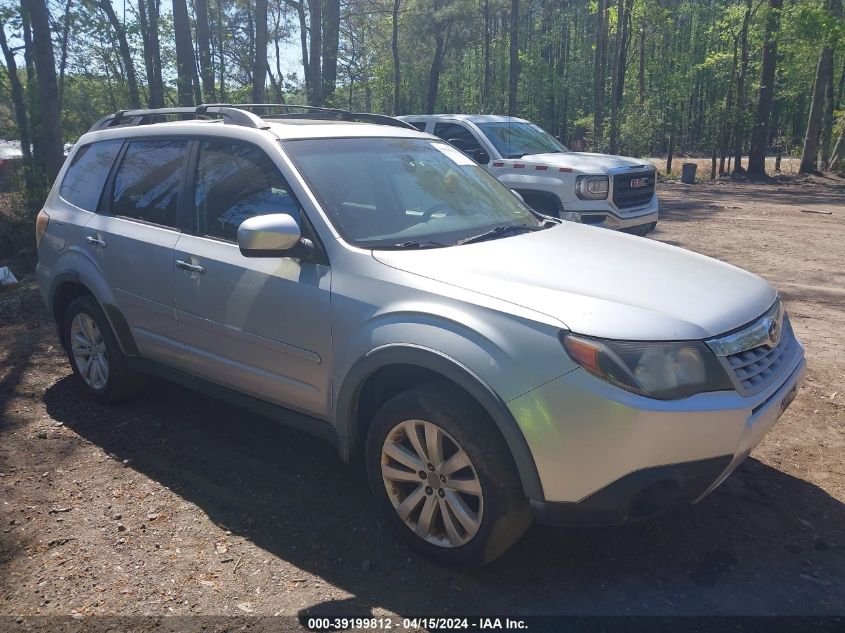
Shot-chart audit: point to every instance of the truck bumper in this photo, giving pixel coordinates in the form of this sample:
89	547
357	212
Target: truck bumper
638	221
606	456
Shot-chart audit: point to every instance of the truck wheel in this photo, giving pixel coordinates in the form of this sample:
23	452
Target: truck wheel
95	355
442	473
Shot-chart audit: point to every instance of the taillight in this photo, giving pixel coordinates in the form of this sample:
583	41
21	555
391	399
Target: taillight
41	226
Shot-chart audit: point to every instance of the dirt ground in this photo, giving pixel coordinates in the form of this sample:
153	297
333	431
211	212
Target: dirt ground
178	504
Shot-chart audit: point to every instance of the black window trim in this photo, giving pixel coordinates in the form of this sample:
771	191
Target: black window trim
189	216
104	207
116	158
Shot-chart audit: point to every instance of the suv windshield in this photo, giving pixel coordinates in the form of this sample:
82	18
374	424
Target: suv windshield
407	193
517	138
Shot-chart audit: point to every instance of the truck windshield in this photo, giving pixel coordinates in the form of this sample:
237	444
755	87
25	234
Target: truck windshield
407	193
517	139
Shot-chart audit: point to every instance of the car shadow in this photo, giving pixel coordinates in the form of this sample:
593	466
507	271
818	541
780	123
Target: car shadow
764	543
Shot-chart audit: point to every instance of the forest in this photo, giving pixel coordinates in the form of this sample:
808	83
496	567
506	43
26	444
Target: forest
729	80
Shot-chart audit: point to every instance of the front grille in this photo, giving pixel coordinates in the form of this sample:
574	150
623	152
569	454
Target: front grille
627	197
755	369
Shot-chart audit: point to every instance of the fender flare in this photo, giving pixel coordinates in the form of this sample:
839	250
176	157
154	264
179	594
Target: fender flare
115	317
404	354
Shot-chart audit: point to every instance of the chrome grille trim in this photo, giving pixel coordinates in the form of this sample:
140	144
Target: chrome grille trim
758	354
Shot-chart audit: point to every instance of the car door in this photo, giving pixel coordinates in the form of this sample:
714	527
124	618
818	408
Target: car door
463	138
132	238
260	325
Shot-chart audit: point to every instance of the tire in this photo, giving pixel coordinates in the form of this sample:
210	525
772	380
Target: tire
107	377
491	500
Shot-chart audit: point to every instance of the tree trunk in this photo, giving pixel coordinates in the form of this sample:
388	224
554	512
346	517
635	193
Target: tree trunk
221	16
641	69
821	86
434	71
63	59
809	155
725	133
837	158
397	70
48	91
148	13
828	120
203	50
125	54
598	73
331	42
623	16
315	83
739	114
19	104
760	133
485	53
184	53
303	42
513	68
259	62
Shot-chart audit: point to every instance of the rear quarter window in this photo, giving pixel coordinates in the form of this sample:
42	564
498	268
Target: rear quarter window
85	177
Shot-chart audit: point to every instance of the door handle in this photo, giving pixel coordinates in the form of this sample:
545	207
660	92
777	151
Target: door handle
194	268
95	241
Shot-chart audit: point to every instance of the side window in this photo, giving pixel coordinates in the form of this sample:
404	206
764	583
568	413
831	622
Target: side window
420	125
146	186
460	136
236	181
86	175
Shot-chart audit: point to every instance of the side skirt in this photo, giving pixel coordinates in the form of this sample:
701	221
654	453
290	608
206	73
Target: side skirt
288	417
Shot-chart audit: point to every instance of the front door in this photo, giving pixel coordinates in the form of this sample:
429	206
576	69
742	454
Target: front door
258	325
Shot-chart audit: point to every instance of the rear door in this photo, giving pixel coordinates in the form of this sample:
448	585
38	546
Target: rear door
132	237
261	325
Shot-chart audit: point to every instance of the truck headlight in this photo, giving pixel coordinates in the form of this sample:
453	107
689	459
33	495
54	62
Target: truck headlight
660	370
591	187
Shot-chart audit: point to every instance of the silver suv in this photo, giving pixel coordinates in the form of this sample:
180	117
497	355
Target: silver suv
371	284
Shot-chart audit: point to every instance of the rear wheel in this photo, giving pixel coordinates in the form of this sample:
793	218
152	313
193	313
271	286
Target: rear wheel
445	477
95	355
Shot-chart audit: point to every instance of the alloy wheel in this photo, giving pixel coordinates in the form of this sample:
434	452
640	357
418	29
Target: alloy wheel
432	483
89	351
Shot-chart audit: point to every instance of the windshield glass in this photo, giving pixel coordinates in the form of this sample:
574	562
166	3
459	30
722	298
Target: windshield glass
404	193
516	139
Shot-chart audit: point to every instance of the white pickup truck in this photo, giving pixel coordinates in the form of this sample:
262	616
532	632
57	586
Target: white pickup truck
615	192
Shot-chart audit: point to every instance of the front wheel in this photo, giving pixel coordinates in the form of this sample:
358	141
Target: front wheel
445	477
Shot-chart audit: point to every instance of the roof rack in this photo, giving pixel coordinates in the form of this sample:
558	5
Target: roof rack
239	114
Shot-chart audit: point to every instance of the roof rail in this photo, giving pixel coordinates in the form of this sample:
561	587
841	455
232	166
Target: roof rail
320	113
239	114
147	116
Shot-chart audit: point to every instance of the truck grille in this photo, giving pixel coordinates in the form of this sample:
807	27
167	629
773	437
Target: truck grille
626	196
755	369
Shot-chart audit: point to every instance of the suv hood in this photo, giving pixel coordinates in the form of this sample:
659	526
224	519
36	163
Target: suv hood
584	162
599	282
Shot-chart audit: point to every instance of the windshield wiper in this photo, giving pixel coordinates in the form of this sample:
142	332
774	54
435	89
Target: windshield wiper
418	244
499	231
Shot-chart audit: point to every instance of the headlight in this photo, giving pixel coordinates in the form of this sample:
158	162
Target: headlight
665	371
591	187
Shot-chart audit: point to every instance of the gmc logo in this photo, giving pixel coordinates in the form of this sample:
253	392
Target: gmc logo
637	183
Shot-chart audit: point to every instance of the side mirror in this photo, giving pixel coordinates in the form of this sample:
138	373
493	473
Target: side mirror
518	195
482	157
268	235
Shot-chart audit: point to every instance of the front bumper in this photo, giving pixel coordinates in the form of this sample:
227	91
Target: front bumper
609	217
605	456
